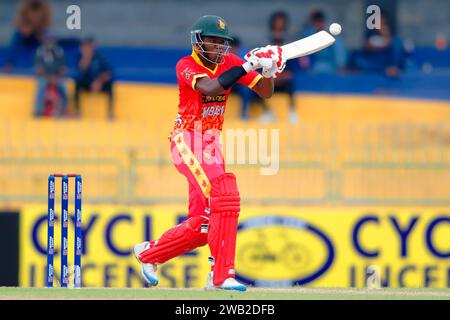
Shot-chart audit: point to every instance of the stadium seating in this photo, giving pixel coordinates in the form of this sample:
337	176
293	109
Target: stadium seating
361	137
345	148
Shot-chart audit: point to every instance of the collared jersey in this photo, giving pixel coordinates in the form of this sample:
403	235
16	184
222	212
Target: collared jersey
196	109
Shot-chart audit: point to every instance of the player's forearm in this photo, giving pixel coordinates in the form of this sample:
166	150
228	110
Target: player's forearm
209	86
264	88
222	83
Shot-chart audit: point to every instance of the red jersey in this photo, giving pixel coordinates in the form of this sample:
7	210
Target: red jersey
196	108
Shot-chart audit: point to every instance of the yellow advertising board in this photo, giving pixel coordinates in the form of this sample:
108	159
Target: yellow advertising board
276	246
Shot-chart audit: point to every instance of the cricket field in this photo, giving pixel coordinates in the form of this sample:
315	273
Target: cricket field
15	293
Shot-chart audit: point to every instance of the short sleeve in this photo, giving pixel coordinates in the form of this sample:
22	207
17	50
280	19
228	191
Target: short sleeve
189	73
251	78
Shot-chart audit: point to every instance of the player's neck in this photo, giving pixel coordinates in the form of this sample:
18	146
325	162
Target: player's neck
207	63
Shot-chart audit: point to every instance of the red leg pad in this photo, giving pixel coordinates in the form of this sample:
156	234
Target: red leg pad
224	206
186	236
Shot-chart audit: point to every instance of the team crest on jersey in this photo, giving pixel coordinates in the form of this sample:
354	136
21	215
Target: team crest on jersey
221	24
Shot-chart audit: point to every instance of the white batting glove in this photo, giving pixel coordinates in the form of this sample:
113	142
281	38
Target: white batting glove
278	65
259	58
270	58
251	64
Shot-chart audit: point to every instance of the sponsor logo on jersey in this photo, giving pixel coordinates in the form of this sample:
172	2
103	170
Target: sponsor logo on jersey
211	99
187	73
213	111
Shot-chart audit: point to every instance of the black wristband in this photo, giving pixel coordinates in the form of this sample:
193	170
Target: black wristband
231	76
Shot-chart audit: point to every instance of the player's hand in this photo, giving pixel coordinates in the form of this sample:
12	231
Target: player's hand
270	58
258	58
278	65
253	62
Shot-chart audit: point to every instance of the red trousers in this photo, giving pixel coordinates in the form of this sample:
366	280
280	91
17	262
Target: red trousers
199	158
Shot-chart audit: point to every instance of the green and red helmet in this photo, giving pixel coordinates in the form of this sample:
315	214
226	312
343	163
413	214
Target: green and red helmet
211	26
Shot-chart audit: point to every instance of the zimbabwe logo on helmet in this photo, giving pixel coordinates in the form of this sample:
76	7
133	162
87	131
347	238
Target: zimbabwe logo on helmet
221	24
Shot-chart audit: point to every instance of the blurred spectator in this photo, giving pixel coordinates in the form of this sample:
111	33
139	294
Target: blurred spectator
51	98
32	21
382	51
247	95
328	61
94	74
278	27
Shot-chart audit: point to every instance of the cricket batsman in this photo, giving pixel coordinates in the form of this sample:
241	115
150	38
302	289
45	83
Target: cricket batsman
205	79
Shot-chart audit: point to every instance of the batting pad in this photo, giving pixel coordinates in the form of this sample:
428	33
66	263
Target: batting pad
224	206
182	238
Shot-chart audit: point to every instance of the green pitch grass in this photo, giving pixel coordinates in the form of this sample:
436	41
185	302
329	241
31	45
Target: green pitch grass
12	293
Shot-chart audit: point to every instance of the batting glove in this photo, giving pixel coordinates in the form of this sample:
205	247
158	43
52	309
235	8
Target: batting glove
278	65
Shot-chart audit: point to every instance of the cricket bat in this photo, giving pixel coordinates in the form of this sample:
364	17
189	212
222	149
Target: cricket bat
308	45
302	47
